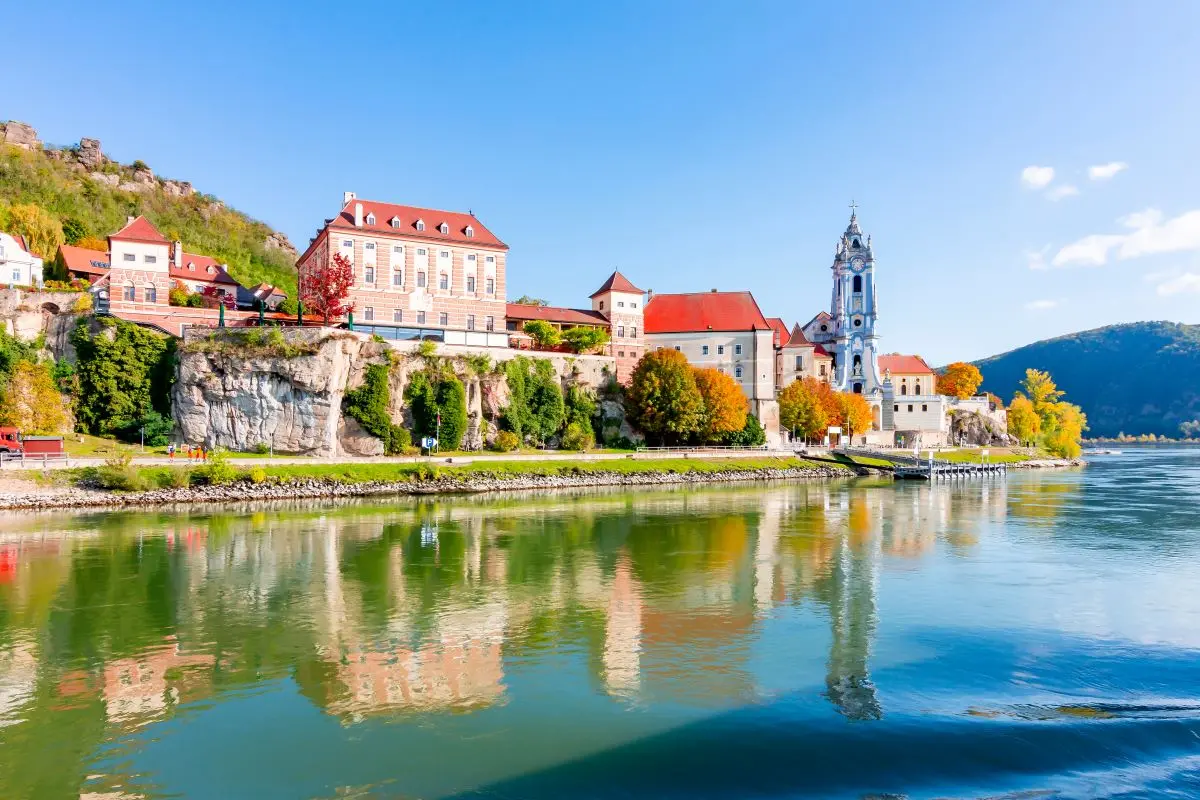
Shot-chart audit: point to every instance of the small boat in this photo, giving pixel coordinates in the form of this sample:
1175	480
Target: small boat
1102	452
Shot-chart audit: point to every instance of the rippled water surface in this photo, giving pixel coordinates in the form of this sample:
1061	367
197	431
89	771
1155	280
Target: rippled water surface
1037	636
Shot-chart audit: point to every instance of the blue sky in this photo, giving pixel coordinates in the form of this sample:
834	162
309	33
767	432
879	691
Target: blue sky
691	144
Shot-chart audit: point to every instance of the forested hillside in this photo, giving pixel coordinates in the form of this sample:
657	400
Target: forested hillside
78	196
1141	377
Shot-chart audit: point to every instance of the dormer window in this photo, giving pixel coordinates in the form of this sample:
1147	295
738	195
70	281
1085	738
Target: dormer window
191	267
370	219
420	224
211	270
443	228
395	222
470	232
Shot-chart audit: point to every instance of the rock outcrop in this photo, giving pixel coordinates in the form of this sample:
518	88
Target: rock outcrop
28	315
277	241
19	134
972	429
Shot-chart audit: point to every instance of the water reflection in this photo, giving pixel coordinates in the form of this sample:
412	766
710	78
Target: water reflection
439	611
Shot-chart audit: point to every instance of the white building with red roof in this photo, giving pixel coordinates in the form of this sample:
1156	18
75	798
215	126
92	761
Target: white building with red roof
419	273
18	266
799	358
725	331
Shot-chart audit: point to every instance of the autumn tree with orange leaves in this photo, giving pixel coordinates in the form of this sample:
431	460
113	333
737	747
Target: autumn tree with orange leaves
854	413
325	288
725	404
960	380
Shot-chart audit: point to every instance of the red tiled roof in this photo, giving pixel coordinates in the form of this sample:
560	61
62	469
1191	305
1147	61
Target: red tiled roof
408	215
703	311
200	273
903	365
140	230
781	331
21	243
797	338
80	259
821	351
563	316
616	283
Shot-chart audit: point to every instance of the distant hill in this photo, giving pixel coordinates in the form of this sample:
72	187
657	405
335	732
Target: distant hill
90	195
1142	377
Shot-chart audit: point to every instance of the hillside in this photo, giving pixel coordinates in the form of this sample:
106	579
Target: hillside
89	195
1142	377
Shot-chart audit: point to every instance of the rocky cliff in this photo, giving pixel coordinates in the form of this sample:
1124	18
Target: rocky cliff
28	315
234	394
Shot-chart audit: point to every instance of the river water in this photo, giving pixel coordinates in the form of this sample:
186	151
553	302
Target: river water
1032	636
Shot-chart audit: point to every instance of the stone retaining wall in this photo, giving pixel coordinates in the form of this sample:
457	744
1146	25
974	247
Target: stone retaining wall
315	488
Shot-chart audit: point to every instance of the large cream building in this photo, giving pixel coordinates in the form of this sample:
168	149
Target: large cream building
418	272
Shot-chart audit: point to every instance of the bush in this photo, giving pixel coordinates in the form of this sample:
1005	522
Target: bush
400	440
752	435
578	437
153	426
175	478
83	303
195	300
542	332
258	475
262	448
506	442
217	471
585	339
119	474
288	306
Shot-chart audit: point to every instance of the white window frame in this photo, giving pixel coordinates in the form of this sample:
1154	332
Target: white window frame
444	319
737	349
470	322
420	224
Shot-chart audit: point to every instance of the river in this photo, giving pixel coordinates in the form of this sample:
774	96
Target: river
1035	635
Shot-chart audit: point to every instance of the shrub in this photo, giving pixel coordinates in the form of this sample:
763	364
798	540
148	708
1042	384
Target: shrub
583	339
542	332
506	442
578	437
83	303
258	475
400	440
427	349
288	306
195	300
535	401
152	428
175	478
119	474
430	393
216	471
262	448
752	435
375	337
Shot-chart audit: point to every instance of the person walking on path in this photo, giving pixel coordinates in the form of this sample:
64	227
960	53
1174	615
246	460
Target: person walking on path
171	451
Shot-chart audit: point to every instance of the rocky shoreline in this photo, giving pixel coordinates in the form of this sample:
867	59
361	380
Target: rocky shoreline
310	488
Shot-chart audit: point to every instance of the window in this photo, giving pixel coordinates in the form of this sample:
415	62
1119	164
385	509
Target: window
398	315
421	251
720	349
443	318
211	269
491	286
924	407
857	323
857	283
150	259
676	348
904	388
620	354
620	331
799	363
633	332
910	408
633	305
470	232
17	274
420	317
443	282
470	322
896	408
444	254
150	294
704	350
369	247
398	275
737	372
421	279
737	349
471	284
490	259
420	224
191	267
369	273
395	222
443	228
822	370
489	323
347	244
369	313
129	294
917	390
620	304
130	257
824	327
370	219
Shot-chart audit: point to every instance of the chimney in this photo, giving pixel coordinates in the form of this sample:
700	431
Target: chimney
129	220
177	255
358	215
347	197
714	291
649	295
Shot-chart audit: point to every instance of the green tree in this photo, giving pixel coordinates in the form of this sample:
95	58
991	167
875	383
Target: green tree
526	300
585	339
430	393
1040	389
368	404
543	333
535	402
751	434
125	371
73	230
452	402
662	398
581	406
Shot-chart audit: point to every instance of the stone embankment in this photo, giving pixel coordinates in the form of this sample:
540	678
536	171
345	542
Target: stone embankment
322	487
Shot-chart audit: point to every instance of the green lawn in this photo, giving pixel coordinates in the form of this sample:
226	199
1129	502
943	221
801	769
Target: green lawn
996	455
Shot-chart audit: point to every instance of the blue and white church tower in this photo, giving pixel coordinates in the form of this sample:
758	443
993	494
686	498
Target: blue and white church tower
853	340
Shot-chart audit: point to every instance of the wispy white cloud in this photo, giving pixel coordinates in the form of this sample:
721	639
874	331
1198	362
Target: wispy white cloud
1061	191
1187	283
1037	177
1102	172
1149	234
1041	305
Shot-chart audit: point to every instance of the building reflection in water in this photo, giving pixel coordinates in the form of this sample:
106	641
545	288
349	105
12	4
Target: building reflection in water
415	608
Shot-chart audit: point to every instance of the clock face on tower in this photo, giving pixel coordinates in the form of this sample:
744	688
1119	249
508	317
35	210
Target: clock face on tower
856	264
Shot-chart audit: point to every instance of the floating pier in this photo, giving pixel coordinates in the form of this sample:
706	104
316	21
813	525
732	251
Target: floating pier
936	470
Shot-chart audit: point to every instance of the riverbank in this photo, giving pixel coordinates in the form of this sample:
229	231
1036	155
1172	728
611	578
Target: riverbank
80	488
